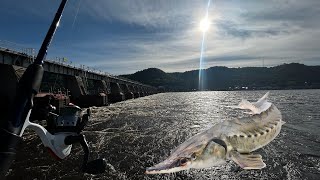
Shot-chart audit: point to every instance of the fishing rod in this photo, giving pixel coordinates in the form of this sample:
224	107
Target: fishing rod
65	128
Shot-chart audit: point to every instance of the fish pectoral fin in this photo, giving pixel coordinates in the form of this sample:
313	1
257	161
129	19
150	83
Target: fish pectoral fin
248	161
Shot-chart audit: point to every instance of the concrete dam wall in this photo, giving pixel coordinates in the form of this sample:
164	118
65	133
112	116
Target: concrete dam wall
84	87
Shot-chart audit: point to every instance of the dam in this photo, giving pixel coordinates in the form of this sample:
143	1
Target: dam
65	82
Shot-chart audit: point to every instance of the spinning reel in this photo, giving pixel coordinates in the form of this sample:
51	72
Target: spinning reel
63	131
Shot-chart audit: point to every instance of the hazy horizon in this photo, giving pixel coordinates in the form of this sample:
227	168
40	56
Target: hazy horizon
219	66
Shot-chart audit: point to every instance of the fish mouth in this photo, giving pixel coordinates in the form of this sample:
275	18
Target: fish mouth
167	166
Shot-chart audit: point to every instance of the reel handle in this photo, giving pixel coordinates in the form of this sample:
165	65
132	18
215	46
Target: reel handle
93	167
69	140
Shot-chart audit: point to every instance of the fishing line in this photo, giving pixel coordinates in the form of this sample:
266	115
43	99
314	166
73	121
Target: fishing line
76	15
68	44
73	24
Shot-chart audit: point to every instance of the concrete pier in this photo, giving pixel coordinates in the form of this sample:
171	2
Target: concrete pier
8	90
116	93
141	92
127	92
76	86
135	91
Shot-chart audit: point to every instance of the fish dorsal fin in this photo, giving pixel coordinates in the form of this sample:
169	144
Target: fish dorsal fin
244	104
258	107
247	161
262	100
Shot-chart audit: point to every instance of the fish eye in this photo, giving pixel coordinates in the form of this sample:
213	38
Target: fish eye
183	161
193	156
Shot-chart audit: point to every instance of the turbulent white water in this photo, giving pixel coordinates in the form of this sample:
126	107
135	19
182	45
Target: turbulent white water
139	133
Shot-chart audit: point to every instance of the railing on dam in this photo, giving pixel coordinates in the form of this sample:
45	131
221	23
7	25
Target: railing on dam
31	52
24	57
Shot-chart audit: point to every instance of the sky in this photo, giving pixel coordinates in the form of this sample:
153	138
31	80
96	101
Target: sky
125	36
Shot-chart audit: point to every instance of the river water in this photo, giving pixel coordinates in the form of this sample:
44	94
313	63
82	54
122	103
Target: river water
139	133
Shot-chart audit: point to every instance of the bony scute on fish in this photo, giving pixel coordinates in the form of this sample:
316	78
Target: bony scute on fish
234	139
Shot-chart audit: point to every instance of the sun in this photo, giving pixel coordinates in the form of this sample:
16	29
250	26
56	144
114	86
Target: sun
204	25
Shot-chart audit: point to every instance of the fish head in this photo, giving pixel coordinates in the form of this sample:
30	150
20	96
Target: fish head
201	155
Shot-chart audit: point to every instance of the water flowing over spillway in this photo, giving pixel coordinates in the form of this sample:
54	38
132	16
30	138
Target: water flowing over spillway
139	133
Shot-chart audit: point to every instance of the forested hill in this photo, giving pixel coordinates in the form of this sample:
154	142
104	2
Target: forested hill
286	76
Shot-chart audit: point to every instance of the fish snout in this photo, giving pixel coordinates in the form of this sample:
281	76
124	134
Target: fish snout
152	170
168	166
162	167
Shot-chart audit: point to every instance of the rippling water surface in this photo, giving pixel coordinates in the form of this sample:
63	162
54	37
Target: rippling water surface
139	133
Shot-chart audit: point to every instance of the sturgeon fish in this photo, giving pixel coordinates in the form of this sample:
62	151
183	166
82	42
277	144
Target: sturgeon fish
234	140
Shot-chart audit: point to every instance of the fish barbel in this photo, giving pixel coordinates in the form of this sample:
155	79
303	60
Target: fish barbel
234	139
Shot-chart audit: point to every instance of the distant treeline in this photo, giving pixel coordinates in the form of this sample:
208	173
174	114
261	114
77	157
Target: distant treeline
286	76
